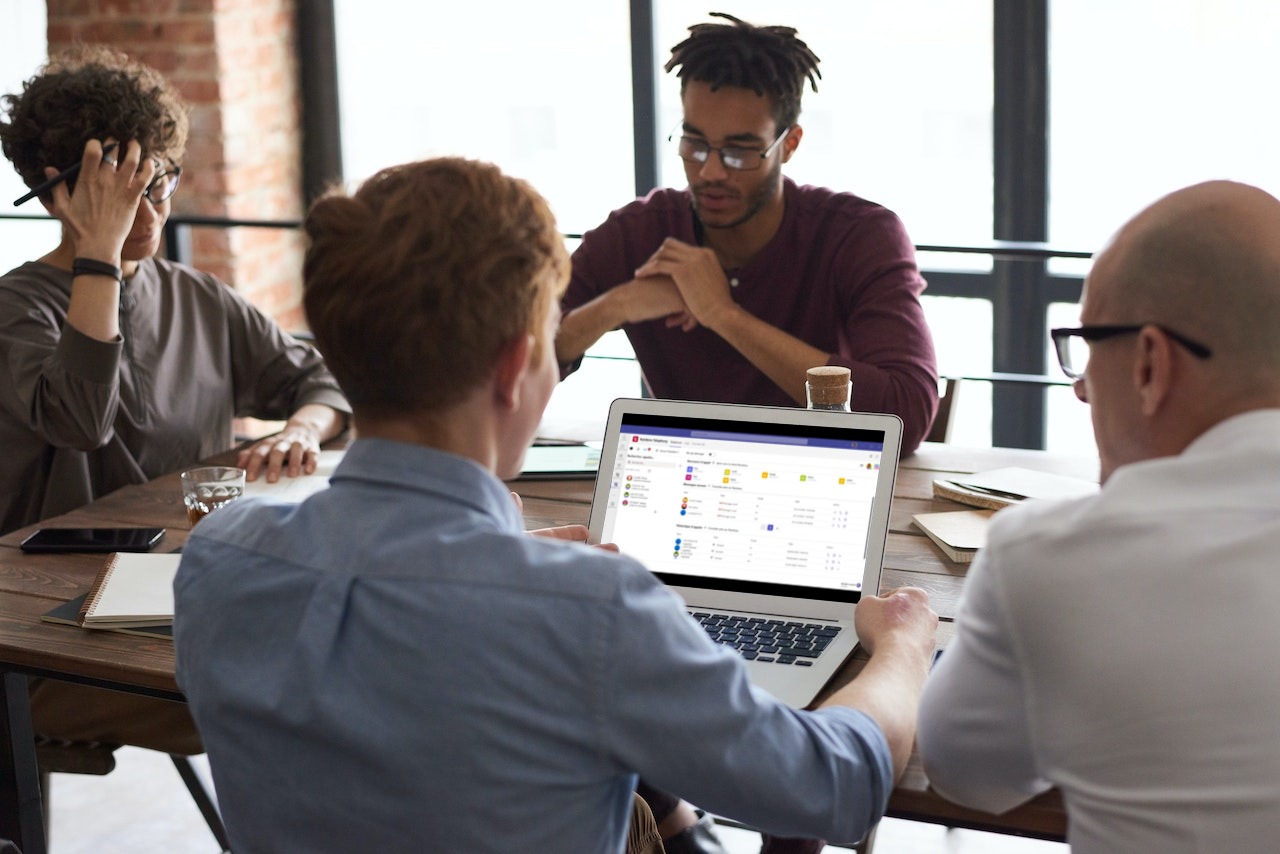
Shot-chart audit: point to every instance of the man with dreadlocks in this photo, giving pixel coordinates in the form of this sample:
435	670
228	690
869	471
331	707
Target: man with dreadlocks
730	289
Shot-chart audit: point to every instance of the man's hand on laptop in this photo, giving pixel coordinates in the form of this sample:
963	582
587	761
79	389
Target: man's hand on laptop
898	630
572	533
903	617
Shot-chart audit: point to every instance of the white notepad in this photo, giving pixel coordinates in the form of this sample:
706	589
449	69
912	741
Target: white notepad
132	589
297	489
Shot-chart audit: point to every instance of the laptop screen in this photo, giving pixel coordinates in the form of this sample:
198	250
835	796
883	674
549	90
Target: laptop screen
781	508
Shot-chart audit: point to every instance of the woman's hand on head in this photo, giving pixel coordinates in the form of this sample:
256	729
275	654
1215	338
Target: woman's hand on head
99	214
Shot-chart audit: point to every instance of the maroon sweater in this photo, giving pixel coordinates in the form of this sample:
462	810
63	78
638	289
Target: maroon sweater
840	274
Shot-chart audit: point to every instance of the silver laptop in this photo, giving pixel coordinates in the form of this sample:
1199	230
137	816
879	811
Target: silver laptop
769	522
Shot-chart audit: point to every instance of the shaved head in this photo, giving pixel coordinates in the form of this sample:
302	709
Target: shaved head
1205	261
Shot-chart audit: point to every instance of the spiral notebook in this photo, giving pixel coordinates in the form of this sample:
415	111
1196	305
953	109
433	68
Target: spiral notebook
132	589
68	614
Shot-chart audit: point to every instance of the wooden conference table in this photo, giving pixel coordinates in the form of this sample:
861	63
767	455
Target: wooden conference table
31	585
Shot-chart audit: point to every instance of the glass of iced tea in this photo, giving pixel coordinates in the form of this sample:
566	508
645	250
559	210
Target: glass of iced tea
207	488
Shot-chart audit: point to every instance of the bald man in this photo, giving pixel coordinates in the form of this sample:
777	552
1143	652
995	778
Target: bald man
1123	647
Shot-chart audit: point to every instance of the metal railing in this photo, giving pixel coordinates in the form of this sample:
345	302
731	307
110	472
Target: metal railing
178	228
1023	396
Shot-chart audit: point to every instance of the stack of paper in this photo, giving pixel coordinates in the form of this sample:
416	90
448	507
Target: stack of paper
1002	487
958	533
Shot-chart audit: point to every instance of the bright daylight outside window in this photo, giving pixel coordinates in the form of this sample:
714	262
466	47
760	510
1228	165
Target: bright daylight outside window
902	117
22	50
1165	95
542	91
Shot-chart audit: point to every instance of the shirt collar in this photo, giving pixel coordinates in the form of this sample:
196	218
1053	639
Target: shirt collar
1258	426
418	468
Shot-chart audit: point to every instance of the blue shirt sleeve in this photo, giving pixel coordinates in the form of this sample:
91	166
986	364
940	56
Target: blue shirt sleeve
680	710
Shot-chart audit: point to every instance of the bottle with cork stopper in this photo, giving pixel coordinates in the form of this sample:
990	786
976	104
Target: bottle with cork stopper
828	387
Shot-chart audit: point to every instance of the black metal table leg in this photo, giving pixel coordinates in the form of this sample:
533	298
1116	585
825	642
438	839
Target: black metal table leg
21	818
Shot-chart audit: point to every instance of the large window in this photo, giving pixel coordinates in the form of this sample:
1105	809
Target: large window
1142	97
544	91
23	46
902	115
1167	93
1164	93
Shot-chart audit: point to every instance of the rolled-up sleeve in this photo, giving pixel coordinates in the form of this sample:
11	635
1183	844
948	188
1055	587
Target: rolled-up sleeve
681	711
974	733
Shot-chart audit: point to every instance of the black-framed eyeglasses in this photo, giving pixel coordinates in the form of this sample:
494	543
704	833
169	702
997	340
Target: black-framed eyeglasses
694	150
164	184
1072	343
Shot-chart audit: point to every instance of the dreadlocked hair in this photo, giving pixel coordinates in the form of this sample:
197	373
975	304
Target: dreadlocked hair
767	60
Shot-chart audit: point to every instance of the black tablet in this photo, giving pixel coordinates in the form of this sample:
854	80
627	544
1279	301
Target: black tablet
92	540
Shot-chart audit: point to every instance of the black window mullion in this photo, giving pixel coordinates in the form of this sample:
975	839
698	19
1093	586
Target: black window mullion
317	53
644	95
1021	160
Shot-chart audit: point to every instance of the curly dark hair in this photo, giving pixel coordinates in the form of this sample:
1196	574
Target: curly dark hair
90	92
767	60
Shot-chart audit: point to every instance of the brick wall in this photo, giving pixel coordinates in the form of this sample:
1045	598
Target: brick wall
234	63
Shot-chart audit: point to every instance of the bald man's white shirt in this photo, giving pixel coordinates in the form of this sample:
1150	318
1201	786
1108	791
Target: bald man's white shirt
1123	649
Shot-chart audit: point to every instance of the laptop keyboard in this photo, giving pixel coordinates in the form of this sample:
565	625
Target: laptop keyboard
761	639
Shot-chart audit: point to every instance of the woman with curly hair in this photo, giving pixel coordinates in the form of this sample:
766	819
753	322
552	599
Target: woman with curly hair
120	366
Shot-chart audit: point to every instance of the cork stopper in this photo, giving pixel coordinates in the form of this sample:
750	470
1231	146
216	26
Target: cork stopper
828	385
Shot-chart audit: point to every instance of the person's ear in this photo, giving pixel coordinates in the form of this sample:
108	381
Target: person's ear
792	142
46	201
1153	369
513	363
